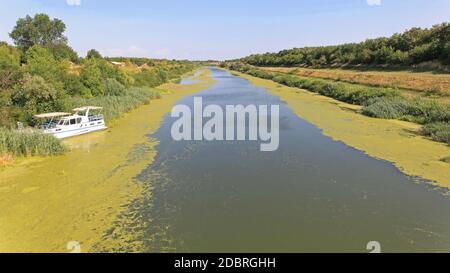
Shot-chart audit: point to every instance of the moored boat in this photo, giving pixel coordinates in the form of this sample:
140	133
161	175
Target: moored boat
84	120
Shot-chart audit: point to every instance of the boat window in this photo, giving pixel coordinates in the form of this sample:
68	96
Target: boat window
61	122
78	120
66	122
73	121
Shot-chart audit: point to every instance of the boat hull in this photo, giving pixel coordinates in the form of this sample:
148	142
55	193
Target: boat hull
78	132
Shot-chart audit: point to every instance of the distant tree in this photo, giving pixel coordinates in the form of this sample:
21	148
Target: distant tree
38	30
93	54
411	47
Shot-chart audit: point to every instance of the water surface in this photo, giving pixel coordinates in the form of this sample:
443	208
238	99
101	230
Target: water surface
314	194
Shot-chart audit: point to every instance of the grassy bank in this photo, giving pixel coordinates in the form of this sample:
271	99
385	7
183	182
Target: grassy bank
426	83
378	102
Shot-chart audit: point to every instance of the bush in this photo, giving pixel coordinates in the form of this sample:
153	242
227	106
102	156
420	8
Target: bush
113	87
114	106
387	108
437	131
35	95
420	111
29	143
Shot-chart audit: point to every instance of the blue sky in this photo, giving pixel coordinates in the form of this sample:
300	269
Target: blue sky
208	29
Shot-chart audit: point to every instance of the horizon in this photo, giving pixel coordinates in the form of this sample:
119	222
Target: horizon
222	31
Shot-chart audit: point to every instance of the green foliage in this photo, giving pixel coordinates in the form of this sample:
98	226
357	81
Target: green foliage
38	30
29	143
35	95
9	57
62	51
91	77
96	74
93	54
9	66
438	131
114	106
113	87
409	48
420	111
74	86
41	62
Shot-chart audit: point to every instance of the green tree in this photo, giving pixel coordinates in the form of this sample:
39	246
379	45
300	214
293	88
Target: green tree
94	54
62	51
113	87
38	30
91	76
41	62
74	86
35	95
9	66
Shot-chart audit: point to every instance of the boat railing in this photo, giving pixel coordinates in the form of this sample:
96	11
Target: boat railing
96	117
48	125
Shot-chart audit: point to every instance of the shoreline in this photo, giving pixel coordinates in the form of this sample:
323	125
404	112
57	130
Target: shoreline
391	140
48	202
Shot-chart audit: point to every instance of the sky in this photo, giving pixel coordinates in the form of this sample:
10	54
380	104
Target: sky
220	30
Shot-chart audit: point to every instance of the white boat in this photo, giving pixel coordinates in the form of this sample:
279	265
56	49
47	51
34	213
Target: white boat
64	125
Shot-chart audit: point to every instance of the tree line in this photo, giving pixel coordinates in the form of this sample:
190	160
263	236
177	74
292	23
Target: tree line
42	73
412	47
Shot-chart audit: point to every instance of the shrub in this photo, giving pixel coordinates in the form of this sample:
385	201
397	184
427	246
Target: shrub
114	106
29	143
113	87
437	131
35	95
387	108
421	111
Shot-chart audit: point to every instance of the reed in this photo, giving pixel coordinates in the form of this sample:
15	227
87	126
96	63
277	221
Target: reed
29	143
114	106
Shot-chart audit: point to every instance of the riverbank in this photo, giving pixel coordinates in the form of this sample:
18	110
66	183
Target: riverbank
48	202
392	140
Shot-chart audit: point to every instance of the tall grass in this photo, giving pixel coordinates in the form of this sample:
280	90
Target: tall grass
114	106
439	131
420	111
29	143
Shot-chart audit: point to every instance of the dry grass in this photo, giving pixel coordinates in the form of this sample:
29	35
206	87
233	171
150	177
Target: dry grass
5	159
425	83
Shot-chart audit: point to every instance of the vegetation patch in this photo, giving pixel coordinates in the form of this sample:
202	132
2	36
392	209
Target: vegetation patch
29	143
439	131
114	106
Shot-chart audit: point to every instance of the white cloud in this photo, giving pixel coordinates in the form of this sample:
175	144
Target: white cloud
374	2
73	2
